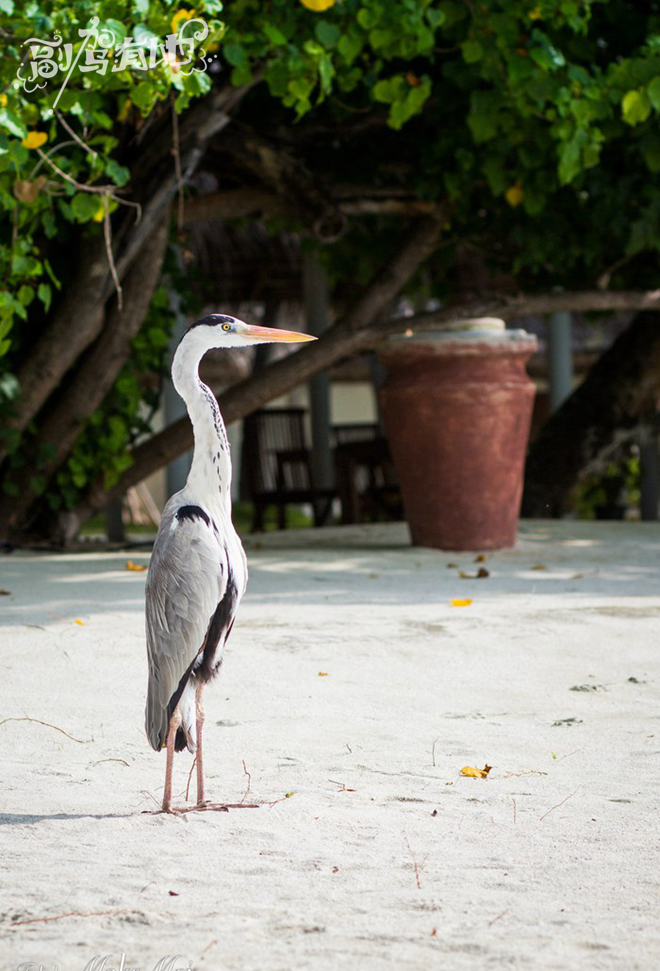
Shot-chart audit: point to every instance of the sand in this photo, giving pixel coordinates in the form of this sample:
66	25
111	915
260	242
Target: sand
352	694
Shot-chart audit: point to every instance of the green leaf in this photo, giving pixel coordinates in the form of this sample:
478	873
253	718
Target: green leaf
653	92
25	295
145	37
636	107
274	35
472	51
118	29
349	47
45	293
235	55
118	173
327	33
85	205
12	123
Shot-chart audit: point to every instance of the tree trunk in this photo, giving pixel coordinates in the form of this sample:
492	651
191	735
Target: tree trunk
78	320
620	393
92	381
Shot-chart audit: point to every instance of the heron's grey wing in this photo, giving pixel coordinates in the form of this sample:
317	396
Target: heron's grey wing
186	582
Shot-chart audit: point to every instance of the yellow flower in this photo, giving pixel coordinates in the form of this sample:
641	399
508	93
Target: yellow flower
318	6
179	17
3	100
535	14
35	139
515	194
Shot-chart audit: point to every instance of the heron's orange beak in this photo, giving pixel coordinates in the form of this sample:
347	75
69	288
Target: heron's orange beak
274	334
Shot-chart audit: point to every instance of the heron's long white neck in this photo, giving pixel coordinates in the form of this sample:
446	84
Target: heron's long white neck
209	478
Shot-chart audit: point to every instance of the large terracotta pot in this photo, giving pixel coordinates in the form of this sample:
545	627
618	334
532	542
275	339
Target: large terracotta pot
457	408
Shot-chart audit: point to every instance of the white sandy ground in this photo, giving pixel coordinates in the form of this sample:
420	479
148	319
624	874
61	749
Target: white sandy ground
383	857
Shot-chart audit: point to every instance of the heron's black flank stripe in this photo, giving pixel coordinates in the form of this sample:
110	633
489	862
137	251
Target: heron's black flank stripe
180	738
220	626
194	512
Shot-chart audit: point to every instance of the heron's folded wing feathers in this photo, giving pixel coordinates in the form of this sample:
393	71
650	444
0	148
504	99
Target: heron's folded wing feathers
186	581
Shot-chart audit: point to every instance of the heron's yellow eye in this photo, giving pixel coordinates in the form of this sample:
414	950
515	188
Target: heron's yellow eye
226	327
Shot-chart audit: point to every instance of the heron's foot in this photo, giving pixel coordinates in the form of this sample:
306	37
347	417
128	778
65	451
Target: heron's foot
222	807
205	807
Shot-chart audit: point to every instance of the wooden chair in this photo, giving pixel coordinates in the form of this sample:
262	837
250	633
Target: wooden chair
277	468
366	480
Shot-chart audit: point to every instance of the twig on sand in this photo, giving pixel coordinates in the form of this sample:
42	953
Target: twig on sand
208	946
73	913
145	792
417	867
123	762
433	753
491	922
38	721
249	781
558	804
190	777
514	809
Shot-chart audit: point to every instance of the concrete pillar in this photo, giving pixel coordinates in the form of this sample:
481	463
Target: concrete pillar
649	466
114	521
560	358
315	292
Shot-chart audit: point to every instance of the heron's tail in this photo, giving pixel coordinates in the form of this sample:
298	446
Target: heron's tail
158	721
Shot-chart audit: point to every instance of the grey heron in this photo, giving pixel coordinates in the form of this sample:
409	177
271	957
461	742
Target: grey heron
198	570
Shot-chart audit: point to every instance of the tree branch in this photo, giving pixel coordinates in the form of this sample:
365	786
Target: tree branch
78	320
238	203
359	330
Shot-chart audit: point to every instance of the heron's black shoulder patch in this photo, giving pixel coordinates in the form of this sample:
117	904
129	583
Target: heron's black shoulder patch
193	512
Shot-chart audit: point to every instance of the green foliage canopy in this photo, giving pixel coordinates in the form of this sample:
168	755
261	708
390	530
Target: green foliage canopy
542	114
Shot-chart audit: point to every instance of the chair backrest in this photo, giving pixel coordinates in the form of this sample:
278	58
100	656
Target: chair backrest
265	434
355	432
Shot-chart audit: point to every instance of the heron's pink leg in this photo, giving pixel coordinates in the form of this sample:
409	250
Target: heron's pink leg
175	721
199	710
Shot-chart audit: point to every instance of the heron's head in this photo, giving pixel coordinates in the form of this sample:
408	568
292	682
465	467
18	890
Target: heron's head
221	330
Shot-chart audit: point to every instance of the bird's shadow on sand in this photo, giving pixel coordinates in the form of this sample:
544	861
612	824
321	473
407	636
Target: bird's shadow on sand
17	819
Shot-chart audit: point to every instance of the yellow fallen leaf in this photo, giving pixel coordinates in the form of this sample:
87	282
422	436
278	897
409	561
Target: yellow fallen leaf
323	674
472	773
515	194
34	139
480	558
539	566
81	622
461	603
318	6
137	567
